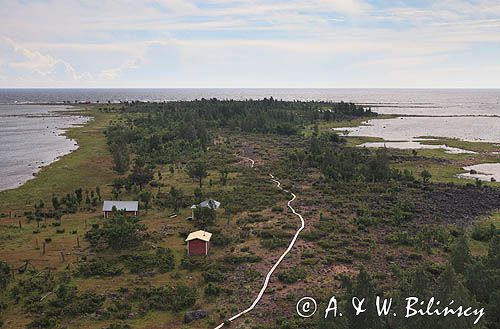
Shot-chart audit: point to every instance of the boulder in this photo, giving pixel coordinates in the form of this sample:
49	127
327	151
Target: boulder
194	315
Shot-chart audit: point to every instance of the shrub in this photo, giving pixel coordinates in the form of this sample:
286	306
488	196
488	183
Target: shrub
482	232
236	260
98	267
204	216
402	238
166	298
4	274
163	261
193	263
415	256
292	275
119	232
338	258
213	275
42	322
212	290
312	235
274	243
120	309
221	240
118	326
65	302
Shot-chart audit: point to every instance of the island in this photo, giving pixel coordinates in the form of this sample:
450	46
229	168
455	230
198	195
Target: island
225	213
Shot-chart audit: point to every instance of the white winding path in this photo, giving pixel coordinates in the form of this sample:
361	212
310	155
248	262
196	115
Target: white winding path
278	262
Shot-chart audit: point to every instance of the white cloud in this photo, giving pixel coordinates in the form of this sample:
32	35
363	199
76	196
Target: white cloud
105	43
32	64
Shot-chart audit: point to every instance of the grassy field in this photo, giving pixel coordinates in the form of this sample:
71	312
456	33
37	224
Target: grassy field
471	146
65	246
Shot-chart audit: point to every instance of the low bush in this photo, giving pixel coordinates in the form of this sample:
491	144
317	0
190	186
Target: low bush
167	298
213	275
98	267
193	263
292	275
5	274
483	232
236	260
163	260
212	289
118	233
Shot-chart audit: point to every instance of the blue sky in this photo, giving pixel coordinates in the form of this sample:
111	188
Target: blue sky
223	43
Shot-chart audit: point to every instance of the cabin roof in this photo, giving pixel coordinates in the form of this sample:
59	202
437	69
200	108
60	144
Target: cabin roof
199	235
210	203
120	205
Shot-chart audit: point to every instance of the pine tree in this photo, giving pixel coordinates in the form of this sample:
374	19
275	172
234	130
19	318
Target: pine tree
460	255
450	287
197	170
494	252
363	288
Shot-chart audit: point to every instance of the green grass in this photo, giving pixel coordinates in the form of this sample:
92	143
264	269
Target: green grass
441	172
479	147
91	165
441	154
358	140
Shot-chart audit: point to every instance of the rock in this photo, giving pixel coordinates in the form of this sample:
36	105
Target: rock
493	179
473	172
194	315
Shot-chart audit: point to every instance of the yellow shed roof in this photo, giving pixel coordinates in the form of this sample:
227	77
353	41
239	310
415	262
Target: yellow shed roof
201	235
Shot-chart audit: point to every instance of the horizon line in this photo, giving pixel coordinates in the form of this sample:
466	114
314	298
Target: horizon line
311	88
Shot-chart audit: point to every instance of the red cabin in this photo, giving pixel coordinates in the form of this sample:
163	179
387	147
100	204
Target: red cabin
198	243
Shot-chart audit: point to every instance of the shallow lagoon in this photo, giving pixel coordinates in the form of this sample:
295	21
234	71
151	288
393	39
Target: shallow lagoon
485	172
467	128
416	145
31	136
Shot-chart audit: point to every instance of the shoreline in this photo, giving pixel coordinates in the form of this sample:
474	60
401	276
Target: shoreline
37	165
86	166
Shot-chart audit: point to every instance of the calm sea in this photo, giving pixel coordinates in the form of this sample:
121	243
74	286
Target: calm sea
30	138
31	134
408	101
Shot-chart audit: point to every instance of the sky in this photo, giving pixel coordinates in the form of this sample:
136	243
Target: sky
224	43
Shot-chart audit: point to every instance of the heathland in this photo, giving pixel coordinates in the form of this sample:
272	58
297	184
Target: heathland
377	221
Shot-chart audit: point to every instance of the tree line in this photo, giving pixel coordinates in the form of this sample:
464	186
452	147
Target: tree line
161	133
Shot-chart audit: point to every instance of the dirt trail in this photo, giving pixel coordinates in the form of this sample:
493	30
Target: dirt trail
278	262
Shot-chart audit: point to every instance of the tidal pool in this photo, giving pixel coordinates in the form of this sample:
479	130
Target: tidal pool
414	144
484	172
467	128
